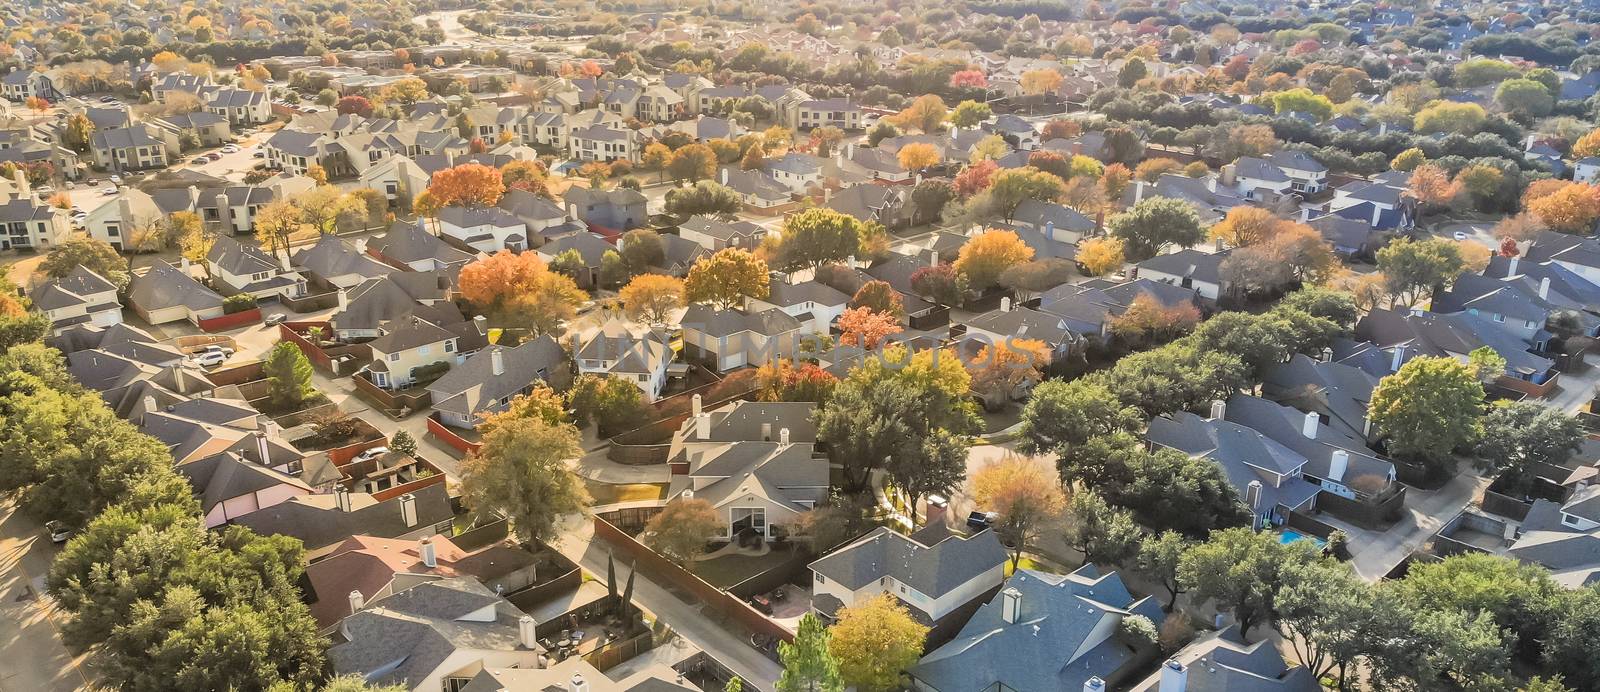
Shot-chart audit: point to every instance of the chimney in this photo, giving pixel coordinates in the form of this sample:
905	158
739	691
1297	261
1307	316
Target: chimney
341	498
1094	684
1308	426
1219	409
578	684
497	361
1252	496
125	210
1138	191
1174	676
344	299
527	632
356	601
1327	354
408	509
148	404
783	436
19	178
1511	267
766	432
224	213
702	426
263	450
1010	605
1305	214
183	265
1398	360
1005	304
430	557
935	510
724	175
1544	288
695	405
1338	464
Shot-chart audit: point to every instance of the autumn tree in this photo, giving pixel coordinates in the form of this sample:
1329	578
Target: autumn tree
1000	370
975	178
692	162
1432	187
873	642
1011	187
276	225
1146	321
782	380
1025	494
969	114
1573	208
985	256
522	290
468	184
651	298
521	473
927	113
726	279
866	328
1246	225
681	530
1040	82
917	156
354	105
878	296
1587	145
941	284
1060	128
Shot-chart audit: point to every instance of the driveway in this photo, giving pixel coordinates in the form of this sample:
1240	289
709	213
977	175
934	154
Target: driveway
1377	552
34	659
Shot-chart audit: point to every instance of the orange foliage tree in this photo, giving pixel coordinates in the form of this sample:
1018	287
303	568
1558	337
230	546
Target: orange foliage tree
1148	321
469	185
866	328
1245	226
986	255
1572	209
999	370
521	290
917	156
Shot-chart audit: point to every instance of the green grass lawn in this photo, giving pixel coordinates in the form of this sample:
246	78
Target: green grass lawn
1025	563
612	493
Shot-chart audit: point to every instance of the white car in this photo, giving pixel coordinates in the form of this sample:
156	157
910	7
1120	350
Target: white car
209	359
1460	235
229	149
108	191
217	348
370	454
115	179
59	532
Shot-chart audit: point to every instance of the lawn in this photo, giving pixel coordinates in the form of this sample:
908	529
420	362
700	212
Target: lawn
1025	563
611	493
728	570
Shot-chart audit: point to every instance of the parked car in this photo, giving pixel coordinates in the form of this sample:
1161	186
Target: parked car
1460	235
59	532
370	454
115	179
274	318
198	161
108	191
71	185
45	190
218	348
982	520
108	99
209	359
259	154
229	149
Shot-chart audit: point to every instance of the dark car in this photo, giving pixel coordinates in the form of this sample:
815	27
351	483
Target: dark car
982	520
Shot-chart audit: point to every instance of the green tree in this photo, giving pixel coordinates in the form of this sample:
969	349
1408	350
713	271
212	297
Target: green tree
705	197
808	666
1155	223
873	641
1013	186
1517	436
938	467
1062	414
1174	377
1105	535
1302	100
1159	555
403	443
1414	269
614	404
1132	71
1328	616
871	424
1427	409
521	473
968	114
288	375
641	249
1243	572
95	255
1337	307
1168	490
1524	98
818	236
682	529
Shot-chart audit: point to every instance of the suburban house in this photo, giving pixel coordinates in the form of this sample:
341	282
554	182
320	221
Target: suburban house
605	143
377	568
714	235
758	190
1279	173
1209	199
398	177
407	350
731	339
164	293
336	262
866	202
1001	326
636	355
1404	335
488	380
230	487
940	577
741	421
758	489
798	172
242	268
1042	632
485	229
1223	661
540	214
838	112
435	635
374	302
615	210
205	129
1188	268
32	224
1563	537
1340	464
132	148
22	83
242	107
1338	393
323	521
1268	476
408	245
81	297
816	305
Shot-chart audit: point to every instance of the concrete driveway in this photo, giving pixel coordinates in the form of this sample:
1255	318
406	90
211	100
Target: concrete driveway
1374	553
34	658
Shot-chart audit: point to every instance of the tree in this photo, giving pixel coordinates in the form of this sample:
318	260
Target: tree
530	176
1330	617
1000	370
1524	98
651	298
1105	535
613	403
808	665
873	641
354	105
942	284
1337	307
1302	101
288	374
917	156
1408	160
521	473
1040	82
877	415
927	113
929	197
1245	226
1147	321
95	255
1174	377
1242	571
468	184
703	198
882	131
975	178
1428	408
78	132
1432	187
969	114
1036	276
1165	489
1010	187
878	296
692	162
1587	145
1101	256
1159	555
1132	71
818	236
1155	223
1450	117
726	279
1413	270
521	289
1061	415
1519	435
323	206
681	530
866	328
985	256
781	380
655	157
276	224
1024	493
641	249
1572	208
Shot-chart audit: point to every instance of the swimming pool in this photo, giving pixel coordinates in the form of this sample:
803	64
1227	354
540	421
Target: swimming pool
1287	536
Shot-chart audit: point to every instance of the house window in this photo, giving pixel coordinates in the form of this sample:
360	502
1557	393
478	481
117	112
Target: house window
450	346
455	684
422	351
1569	520
1499	317
394	357
821	579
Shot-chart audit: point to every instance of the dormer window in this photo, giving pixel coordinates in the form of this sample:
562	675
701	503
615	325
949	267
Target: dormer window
1568	519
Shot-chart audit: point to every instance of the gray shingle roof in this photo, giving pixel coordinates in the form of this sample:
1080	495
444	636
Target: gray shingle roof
472	386
933	570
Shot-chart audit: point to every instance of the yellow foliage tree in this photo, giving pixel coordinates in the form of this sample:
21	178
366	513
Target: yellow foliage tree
1101	256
